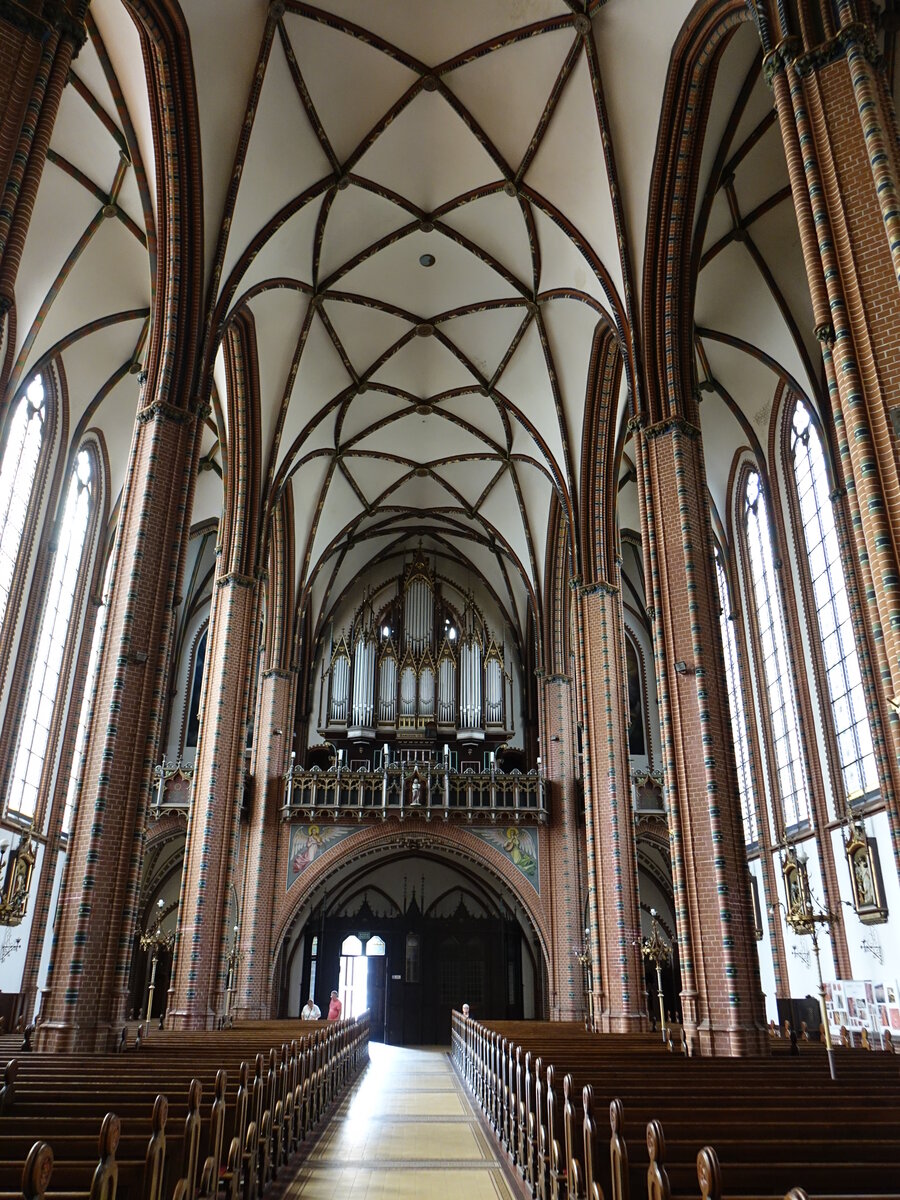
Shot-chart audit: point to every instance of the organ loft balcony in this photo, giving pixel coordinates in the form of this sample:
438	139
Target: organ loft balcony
419	787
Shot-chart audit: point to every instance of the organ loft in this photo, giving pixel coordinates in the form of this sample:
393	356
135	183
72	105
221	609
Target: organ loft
448	555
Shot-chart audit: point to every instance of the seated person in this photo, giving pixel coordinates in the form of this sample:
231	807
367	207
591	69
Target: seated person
311	1011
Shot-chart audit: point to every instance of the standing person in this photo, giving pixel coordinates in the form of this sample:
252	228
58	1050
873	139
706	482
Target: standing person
311	1011
334	1007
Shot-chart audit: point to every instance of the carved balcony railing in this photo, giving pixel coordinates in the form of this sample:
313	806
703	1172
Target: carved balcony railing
415	790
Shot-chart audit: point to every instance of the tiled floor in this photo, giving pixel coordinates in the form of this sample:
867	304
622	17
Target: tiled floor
406	1129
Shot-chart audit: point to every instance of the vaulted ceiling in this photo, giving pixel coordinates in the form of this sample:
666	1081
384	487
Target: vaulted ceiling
430	212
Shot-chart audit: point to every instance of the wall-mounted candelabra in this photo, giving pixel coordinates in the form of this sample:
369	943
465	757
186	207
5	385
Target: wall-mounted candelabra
871	945
9	945
657	950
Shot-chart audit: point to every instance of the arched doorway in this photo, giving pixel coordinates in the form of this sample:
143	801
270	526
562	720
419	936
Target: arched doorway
410	937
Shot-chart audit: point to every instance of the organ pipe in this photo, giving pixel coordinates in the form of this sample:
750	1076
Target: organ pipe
446	691
340	680
363	682
426	692
470	684
493	691
387	690
408	691
418	615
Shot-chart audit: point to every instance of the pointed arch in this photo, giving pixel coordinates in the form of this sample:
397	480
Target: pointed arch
670	274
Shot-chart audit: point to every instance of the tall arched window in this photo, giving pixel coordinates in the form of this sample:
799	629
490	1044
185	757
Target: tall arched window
87	701
790	782
845	689
738	716
46	669
17	472
196	692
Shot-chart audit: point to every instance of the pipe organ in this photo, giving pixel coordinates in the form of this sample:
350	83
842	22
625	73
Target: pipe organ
416	664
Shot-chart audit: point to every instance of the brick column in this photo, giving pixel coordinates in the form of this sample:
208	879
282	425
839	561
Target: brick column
87	990
609	813
37	44
839	131
197	994
271	752
564	894
722	1003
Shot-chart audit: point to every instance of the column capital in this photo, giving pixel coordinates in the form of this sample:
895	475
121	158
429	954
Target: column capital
672	425
237	580
777	60
279	673
854	34
598	587
55	18
159	410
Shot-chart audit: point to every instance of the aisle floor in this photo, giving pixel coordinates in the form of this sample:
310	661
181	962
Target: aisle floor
405	1129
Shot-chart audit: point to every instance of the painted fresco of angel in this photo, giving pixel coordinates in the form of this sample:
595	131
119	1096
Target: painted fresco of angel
518	844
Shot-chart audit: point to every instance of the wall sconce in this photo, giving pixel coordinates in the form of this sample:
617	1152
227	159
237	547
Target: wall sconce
681	668
16	869
8	946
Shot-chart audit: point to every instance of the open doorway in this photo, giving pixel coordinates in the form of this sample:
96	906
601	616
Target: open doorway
361	974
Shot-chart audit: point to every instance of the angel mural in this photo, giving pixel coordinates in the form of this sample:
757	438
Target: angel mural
520	847
308	841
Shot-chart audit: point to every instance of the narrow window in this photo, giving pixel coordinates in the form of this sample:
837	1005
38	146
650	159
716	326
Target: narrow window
738	716
17	472
845	689
193	721
790	783
87	702
44	682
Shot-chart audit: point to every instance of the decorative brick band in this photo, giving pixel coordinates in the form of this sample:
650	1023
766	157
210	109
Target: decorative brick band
557	678
279	673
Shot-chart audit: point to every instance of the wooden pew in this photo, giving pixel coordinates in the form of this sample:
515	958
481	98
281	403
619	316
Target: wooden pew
235	1144
783	1123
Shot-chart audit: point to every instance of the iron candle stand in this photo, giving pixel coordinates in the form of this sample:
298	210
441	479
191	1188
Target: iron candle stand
657	950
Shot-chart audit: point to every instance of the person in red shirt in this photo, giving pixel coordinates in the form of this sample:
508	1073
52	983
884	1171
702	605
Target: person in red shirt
334	1008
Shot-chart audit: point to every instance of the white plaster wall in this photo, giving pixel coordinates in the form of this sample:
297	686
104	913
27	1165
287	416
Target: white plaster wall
48	932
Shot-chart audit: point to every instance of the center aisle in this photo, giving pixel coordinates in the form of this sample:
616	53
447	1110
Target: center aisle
405	1129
